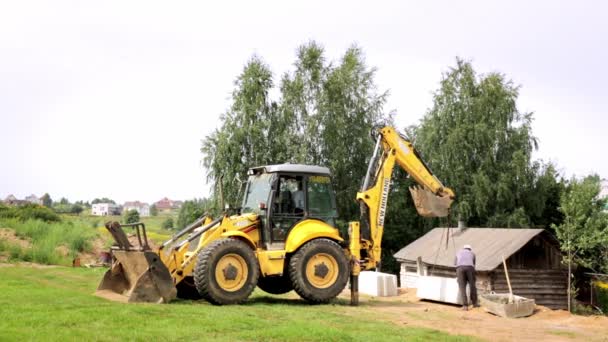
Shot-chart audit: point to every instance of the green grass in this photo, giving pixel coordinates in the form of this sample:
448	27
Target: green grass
153	225
57	304
46	238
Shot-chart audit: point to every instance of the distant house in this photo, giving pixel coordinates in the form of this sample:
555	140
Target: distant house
33	199
532	255
12	200
166	205
105	209
142	208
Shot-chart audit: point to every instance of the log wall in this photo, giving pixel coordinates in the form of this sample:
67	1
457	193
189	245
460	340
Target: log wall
546	287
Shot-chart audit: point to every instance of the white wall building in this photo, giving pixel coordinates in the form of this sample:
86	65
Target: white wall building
604	188
104	209
142	208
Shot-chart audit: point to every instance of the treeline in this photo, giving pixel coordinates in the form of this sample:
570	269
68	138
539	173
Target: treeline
473	136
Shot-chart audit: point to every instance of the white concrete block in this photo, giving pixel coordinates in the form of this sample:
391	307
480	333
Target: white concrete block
378	284
439	288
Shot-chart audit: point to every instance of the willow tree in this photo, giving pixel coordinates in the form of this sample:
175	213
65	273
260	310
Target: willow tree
245	137
479	143
323	117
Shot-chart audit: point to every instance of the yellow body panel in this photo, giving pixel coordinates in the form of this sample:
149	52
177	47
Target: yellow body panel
310	229
271	262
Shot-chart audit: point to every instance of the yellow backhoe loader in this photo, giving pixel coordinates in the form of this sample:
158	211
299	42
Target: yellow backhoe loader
284	237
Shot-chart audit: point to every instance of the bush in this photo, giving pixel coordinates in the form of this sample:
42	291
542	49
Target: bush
602	295
29	211
189	212
131	216
168	223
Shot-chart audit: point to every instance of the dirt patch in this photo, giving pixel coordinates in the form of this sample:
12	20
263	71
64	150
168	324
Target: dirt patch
62	250
9	235
544	325
93	256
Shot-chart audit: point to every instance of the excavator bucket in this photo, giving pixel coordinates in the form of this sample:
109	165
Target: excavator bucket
430	205
137	273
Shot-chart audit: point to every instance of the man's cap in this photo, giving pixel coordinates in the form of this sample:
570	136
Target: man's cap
467	247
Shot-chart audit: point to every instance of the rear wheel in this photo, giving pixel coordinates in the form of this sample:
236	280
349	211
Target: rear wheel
275	285
319	270
226	272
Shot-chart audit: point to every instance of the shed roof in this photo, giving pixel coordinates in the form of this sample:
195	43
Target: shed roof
488	244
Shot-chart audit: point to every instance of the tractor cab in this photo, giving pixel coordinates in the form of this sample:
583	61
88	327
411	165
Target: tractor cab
285	194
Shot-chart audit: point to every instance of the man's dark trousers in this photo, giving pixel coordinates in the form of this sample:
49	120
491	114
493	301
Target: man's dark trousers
466	274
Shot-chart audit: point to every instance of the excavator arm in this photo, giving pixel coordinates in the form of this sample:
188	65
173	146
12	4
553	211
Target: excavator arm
431	197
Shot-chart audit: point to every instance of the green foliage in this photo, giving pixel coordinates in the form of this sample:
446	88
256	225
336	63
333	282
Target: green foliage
584	233
168	223
192	210
480	144
51	299
323	117
76	209
153	210
131	216
243	139
46	200
102	200
29	211
46	238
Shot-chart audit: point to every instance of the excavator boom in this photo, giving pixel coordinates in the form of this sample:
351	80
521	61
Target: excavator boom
431	197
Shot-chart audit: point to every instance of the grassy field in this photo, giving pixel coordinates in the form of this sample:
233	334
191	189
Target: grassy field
153	224
57	304
58	243
51	243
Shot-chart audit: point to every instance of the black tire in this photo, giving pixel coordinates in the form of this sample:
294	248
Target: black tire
313	281
275	285
240	272
187	290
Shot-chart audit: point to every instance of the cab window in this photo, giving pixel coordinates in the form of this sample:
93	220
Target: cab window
320	199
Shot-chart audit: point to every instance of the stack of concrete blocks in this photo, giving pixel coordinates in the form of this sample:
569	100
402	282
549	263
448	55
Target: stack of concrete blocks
378	284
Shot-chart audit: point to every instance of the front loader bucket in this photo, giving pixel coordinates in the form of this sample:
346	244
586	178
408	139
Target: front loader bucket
137	273
430	205
137	276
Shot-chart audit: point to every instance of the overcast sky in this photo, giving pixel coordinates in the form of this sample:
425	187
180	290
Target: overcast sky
112	98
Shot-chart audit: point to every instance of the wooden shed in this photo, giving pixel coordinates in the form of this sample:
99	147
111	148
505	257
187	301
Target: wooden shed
533	260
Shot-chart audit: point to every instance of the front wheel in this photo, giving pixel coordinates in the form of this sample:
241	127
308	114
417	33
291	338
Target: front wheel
319	270
226	272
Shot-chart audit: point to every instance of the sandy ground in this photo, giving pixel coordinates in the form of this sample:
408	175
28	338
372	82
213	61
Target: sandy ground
543	325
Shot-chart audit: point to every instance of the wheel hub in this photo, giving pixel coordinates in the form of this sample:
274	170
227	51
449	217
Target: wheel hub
230	272
321	270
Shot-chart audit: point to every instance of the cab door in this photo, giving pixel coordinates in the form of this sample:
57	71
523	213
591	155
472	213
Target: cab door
288	205
321	202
